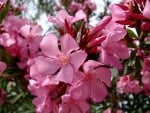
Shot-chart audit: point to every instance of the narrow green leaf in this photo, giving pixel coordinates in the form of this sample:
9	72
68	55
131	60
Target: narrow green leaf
4	11
12	101
131	33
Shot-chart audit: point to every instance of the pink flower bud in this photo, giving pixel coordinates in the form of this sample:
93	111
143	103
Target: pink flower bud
145	26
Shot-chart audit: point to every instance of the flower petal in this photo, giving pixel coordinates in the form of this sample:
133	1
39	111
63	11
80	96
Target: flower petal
79	16
80	90
49	46
146	11
77	58
65	74
3	66
68	44
25	30
110	59
98	90
104	75
43	66
119	48
90	65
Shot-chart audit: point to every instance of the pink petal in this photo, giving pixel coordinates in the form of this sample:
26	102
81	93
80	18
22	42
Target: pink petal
69	105
65	74
42	104
117	12
33	71
98	90
90	65
43	66
77	58
49	80
68	44
42	91
62	16
146	78
75	109
116	35
64	109
79	16
6	41
46	66
119	48
35	31
110	59
49	46
108	110
3	66
84	106
104	75
146	11
25	30
80	90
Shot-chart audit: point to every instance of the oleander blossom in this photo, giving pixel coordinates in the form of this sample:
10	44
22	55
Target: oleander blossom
93	85
67	59
113	48
127	85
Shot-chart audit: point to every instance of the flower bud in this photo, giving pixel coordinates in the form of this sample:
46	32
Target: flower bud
145	26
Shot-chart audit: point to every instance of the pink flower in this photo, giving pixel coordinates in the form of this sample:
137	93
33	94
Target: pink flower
29	44
93	84
62	15
9	39
127	85
3	66
42	101
112	48
69	105
68	60
146	11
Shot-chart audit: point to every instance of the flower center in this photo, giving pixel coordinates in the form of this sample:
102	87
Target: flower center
63	59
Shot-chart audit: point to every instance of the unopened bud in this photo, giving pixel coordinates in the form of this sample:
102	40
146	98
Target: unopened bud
145	26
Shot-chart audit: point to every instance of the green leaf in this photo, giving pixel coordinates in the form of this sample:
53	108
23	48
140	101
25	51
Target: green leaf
131	33
147	42
12	101
4	11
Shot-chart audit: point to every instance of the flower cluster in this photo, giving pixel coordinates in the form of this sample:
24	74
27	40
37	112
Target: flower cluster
68	71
